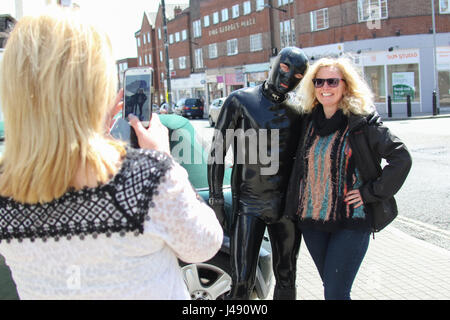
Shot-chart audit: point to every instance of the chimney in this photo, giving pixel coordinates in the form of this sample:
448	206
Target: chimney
176	11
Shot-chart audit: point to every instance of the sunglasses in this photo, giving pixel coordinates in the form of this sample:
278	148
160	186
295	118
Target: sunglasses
332	82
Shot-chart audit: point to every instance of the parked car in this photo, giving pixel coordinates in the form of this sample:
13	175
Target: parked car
211	279
192	108
214	110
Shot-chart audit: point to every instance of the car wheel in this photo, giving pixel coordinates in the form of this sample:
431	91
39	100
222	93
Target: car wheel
205	281
211	122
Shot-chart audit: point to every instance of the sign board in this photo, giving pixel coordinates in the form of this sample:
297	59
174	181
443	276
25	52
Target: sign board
403	85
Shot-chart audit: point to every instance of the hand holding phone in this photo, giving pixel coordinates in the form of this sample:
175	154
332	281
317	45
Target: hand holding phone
156	137
138	98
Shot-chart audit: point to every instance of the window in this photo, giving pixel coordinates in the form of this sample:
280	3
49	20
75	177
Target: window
232	47
159	33
160	56
162	76
411	71
319	19
224	14
177	37
148	37
256	42
183	35
197	25
198	58
283	2
143	38
372	10
182	62
287	33
171	38
216	17
235	11
259	5
212	48
138	40
150	59
145	59
444	6
170	64
140	60
375	78
247	7
206	21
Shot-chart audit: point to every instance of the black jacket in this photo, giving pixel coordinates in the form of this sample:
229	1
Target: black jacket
370	143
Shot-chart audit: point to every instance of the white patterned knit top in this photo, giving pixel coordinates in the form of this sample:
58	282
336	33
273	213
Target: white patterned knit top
120	240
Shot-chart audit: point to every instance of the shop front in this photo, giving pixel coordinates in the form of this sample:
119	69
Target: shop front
394	74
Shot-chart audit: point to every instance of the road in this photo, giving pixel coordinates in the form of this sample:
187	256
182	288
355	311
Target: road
424	200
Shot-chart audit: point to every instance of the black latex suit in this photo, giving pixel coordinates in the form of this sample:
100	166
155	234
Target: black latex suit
258	195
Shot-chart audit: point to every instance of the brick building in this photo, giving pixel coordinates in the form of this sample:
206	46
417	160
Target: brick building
229	45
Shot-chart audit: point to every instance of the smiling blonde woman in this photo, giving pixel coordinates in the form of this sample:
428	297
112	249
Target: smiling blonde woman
337	187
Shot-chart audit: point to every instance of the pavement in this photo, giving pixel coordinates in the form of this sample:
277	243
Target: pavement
444	112
397	266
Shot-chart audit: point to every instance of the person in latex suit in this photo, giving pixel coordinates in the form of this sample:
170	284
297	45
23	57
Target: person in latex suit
258	187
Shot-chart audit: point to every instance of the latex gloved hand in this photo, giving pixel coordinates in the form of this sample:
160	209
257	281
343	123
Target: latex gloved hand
219	209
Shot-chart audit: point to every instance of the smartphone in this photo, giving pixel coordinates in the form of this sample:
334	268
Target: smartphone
138	97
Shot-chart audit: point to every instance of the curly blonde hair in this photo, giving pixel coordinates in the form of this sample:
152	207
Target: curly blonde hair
358	98
58	84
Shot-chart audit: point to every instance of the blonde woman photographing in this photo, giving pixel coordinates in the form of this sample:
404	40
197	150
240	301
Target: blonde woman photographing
337	187
81	215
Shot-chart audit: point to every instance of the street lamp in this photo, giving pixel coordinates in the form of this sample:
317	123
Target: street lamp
270	6
436	87
166	50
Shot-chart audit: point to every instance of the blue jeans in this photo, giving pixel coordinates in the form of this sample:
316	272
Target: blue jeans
338	256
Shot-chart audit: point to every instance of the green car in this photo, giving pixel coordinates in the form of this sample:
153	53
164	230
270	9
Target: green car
209	280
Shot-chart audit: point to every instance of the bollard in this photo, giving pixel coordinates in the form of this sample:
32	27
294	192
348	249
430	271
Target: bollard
389	107
434	103
408	105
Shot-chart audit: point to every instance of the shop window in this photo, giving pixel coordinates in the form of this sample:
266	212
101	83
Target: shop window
375	78
444	87
403	80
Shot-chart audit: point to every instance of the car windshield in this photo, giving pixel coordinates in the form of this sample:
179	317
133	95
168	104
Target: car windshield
188	151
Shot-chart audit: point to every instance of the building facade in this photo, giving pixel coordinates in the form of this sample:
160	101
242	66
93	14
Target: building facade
217	46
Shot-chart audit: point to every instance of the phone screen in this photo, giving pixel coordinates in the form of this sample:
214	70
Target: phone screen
137	94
